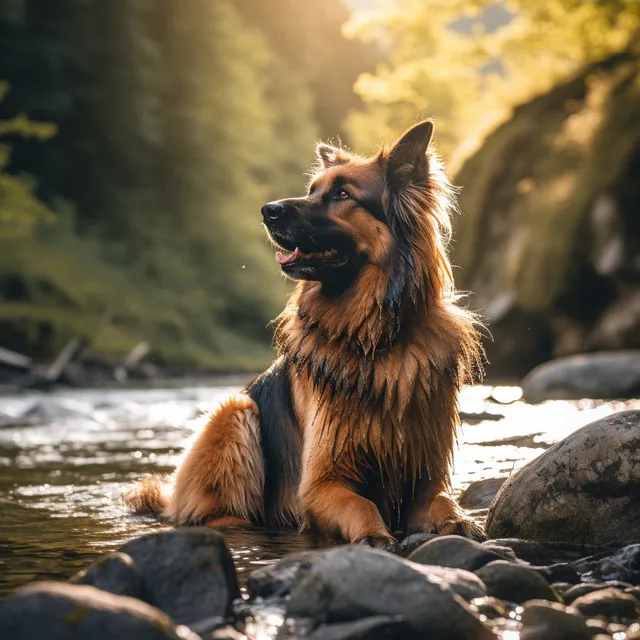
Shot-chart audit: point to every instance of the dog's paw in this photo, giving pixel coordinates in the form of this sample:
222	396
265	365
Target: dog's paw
386	543
461	526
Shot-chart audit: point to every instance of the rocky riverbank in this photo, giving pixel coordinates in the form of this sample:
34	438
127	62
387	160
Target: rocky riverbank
183	583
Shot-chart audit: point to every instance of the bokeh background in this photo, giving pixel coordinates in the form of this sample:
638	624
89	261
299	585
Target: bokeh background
140	137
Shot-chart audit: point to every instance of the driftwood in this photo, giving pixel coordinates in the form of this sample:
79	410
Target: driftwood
14	360
45	377
135	357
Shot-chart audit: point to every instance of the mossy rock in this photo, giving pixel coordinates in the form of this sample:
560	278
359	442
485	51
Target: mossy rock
528	241
582	490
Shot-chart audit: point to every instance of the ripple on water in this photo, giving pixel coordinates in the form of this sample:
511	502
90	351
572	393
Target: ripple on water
66	457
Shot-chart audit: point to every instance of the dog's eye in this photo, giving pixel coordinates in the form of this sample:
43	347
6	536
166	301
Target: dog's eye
342	194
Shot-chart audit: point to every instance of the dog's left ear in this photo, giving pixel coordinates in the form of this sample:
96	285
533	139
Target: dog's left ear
329	156
407	160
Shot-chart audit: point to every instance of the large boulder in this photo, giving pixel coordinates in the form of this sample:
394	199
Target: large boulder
550	236
58	611
187	573
582	490
353	582
594	375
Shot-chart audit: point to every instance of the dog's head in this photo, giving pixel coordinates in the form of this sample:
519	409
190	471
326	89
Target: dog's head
363	211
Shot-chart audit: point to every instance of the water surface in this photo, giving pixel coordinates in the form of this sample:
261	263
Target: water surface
66	457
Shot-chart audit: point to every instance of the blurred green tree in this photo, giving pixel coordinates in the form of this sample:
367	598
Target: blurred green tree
467	62
20	208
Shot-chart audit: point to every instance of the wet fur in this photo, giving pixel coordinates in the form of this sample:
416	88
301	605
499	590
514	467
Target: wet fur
352	429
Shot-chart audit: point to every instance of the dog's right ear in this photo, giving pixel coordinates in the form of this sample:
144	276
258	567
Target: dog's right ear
329	156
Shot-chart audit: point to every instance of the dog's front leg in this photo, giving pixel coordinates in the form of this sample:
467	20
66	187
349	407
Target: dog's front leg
331	505
435	510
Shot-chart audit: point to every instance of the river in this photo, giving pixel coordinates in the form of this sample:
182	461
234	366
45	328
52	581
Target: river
67	456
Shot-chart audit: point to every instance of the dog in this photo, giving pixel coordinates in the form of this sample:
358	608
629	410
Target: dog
352	429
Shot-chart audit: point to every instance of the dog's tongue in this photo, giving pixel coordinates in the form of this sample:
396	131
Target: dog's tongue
292	257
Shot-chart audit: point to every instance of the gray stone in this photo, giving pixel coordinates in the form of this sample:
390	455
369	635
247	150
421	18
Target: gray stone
115	573
413	541
515	583
275	580
581	490
373	628
479	494
612	604
526	550
59	611
552	621
188	573
353	582
463	583
594	375
456	552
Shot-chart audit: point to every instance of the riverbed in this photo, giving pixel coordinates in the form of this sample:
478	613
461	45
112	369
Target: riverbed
67	456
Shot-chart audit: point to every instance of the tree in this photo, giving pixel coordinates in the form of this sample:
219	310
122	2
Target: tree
467	62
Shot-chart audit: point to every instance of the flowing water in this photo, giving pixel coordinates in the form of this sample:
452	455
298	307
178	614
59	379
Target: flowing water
66	457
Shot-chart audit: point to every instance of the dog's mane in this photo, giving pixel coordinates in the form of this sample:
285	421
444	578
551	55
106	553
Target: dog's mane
390	354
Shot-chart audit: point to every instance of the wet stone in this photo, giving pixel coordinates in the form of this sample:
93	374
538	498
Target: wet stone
413	541
456	552
515	583
115	573
373	628
479	494
582	589
59	611
526	550
552	621
559	572
578	491
612	604
275	581
188	573
353	582
490	607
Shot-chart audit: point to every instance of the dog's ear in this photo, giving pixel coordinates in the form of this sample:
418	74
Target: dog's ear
329	156
407	160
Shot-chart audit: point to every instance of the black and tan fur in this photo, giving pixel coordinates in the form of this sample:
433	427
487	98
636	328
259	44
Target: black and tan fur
352	429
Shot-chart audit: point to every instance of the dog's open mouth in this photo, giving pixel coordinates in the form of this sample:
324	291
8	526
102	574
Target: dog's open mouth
297	256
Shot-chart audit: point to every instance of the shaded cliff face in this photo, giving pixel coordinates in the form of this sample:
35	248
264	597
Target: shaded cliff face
549	242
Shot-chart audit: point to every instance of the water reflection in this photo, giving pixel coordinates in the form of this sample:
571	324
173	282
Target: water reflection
65	459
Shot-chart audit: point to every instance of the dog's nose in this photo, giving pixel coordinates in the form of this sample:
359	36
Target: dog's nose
272	211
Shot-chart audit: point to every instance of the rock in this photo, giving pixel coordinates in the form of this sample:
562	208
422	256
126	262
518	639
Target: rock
559	572
579	590
373	628
463	583
552	621
527	550
115	573
490	607
188	573
275	580
479	494
515	582
628	557
578	491
610	603
595	375
413	541
353	582
59	611
608	570
456	552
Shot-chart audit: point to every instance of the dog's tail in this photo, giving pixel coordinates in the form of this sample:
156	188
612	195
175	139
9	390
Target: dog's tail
150	497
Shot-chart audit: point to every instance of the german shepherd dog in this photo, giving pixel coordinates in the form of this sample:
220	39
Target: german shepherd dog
351	431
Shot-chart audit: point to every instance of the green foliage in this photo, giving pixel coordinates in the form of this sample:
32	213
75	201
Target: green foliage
20	209
176	121
468	62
